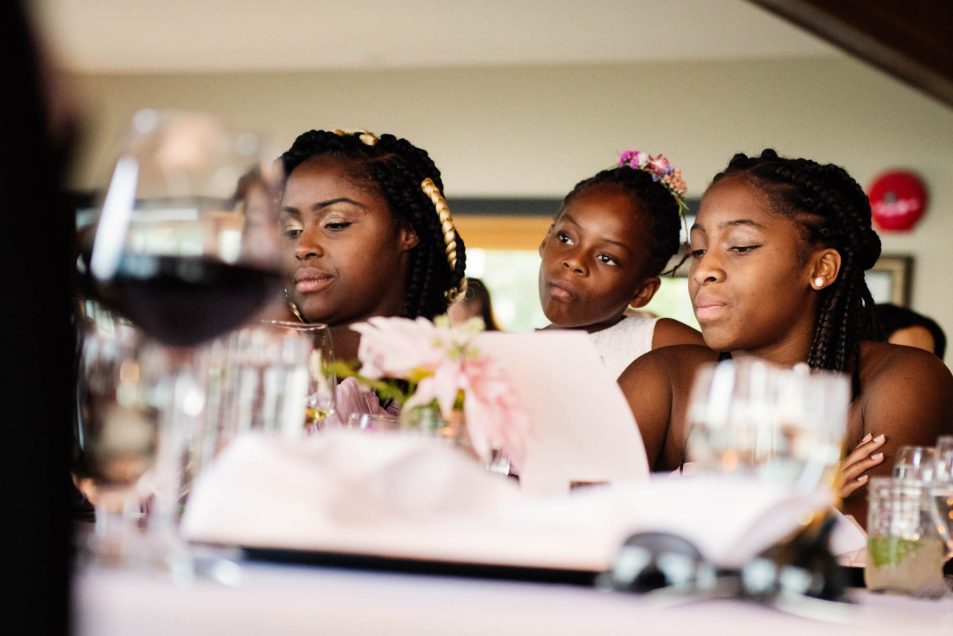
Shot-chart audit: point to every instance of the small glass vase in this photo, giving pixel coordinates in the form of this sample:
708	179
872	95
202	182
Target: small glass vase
428	420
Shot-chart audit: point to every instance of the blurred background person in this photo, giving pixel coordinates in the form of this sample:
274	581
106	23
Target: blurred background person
476	302
904	326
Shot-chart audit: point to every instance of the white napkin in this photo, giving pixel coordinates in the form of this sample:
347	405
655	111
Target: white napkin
410	497
849	542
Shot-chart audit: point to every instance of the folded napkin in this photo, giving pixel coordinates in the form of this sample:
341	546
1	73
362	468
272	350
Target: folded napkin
403	496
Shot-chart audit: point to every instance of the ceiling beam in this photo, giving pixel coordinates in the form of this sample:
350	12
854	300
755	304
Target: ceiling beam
910	39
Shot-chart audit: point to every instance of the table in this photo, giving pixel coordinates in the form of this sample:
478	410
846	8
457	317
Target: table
292	599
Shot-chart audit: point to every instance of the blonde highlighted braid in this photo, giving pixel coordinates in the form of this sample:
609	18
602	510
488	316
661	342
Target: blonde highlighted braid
449	234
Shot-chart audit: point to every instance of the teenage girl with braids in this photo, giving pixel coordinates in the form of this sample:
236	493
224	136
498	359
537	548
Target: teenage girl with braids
779	249
367	233
603	255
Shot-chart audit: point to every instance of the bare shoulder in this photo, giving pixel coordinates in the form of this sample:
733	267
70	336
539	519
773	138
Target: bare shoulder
671	362
905	390
888	367
669	332
656	387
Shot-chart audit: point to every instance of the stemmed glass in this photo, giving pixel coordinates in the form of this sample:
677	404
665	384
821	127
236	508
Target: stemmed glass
322	379
940	492
116	431
172	255
785	425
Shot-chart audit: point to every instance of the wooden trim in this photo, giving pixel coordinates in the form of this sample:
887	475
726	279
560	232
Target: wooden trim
502	232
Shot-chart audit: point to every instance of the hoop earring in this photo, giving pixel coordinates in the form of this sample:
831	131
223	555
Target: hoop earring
293	307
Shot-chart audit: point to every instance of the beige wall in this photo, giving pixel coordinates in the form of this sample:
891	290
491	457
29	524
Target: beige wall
535	131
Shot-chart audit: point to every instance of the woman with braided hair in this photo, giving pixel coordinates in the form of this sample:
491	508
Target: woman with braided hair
779	249
368	232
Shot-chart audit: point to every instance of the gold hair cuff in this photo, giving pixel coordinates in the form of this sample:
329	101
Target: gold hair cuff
449	235
367	137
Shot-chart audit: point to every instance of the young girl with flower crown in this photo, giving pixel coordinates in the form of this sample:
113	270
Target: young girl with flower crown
603	255
778	253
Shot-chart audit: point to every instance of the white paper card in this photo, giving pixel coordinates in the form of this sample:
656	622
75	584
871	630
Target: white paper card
583	428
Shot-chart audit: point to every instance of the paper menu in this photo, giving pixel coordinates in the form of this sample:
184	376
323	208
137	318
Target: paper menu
583	427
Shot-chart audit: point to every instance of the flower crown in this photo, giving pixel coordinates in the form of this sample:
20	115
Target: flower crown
661	171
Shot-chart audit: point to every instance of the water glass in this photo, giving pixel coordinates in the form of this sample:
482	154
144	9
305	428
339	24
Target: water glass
905	553
750	417
322	380
915	463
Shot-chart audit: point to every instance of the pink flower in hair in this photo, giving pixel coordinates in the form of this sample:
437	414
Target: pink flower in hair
631	158
658	164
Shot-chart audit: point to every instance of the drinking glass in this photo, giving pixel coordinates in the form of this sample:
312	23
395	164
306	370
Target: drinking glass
115	434
747	416
905	548
371	422
941	493
915	463
172	255
322	379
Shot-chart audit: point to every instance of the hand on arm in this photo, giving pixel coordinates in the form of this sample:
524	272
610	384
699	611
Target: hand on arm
908	398
855	466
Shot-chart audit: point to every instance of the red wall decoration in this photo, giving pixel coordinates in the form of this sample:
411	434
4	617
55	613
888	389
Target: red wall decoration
897	199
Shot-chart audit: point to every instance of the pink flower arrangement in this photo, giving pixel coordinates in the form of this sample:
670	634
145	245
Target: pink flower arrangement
444	368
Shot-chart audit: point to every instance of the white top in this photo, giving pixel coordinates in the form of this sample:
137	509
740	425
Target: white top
624	341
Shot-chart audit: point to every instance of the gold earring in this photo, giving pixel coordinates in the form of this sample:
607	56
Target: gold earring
293	307
631	309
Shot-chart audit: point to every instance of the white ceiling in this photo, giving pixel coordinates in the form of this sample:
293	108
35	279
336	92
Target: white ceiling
133	36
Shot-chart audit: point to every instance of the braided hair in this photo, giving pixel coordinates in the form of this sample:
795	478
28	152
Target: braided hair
662	219
398	168
831	210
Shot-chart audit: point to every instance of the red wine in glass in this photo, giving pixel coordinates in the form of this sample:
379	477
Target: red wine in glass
184	301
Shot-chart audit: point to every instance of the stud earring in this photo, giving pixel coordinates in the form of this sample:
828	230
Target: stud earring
819	282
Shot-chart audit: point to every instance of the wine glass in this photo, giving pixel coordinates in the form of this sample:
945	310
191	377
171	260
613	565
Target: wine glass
785	425
322	379
172	254
116	431
940	492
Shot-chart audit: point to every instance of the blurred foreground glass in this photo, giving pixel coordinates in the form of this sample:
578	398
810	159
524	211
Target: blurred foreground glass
117	422
750	417
175	252
905	553
274	376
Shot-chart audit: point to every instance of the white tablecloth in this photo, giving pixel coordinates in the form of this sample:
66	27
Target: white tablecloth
283	599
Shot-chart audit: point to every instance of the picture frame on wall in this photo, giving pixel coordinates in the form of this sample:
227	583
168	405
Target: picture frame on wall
891	278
